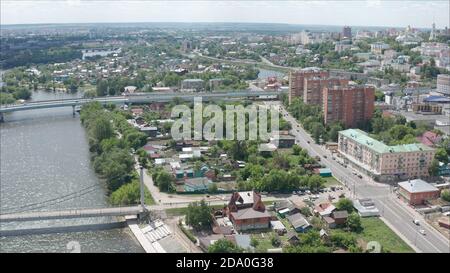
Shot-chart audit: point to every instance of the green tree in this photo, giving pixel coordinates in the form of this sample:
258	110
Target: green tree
127	194
345	204
101	129
254	242
199	215
433	169
102	88
343	239
318	131
445	195
354	222
22	93
224	246
212	188
6	98
164	181
275	240
441	155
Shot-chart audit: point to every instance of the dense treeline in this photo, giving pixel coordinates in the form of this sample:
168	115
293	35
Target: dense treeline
40	56
311	118
111	141
279	172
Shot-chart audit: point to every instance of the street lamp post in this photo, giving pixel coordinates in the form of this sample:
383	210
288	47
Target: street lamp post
141	187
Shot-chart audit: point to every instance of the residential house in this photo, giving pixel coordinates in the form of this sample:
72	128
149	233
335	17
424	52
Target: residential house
283	141
197	184
292	238
429	138
247	211
339	216
298	222
324	209
278	227
149	130
417	191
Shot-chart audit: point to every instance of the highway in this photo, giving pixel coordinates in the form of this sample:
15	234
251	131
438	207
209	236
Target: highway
397	214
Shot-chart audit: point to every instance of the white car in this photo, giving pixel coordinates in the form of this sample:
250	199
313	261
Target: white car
416	222
422	231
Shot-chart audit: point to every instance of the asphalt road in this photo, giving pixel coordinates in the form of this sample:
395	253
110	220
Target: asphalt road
397	214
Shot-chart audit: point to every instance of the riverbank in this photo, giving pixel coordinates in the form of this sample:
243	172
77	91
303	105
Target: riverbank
53	147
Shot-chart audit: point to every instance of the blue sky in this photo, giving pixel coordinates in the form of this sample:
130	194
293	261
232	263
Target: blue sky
360	13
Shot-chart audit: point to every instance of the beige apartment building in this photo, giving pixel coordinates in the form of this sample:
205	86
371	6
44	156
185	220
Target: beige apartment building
383	162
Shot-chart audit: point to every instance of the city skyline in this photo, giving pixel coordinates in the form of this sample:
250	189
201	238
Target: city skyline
353	13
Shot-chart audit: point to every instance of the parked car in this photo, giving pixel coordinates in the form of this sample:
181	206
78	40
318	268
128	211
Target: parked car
360	176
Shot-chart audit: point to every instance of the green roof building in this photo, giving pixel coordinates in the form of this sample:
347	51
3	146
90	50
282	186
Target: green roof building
381	161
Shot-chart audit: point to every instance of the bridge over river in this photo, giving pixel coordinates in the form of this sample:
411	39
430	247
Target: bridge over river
72	213
139	98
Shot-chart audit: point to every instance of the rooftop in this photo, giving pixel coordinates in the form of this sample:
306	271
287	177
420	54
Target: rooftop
362	138
417	185
250	213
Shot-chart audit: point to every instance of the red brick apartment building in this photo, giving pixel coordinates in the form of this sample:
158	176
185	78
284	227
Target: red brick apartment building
297	80
348	104
313	88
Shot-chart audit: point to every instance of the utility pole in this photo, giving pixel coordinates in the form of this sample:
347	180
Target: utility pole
141	175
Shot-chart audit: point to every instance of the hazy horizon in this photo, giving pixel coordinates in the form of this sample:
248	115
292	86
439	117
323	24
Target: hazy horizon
398	14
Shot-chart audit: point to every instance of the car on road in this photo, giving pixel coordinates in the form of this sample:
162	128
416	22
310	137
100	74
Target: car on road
422	231
308	141
416	222
360	176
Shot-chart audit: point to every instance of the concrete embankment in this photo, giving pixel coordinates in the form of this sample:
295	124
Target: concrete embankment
63	229
148	246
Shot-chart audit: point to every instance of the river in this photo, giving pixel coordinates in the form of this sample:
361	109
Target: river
44	155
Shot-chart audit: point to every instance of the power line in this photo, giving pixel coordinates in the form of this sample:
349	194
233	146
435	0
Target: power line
56	200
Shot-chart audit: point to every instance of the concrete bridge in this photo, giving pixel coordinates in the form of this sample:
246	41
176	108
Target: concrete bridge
138	98
72	213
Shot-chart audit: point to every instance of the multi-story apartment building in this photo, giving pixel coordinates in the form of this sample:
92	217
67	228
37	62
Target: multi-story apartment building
443	84
297	80
377	48
350	105
313	88
346	32
383	162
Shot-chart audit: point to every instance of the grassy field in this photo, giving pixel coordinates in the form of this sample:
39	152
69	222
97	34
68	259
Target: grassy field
331	181
182	211
148	198
376	230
